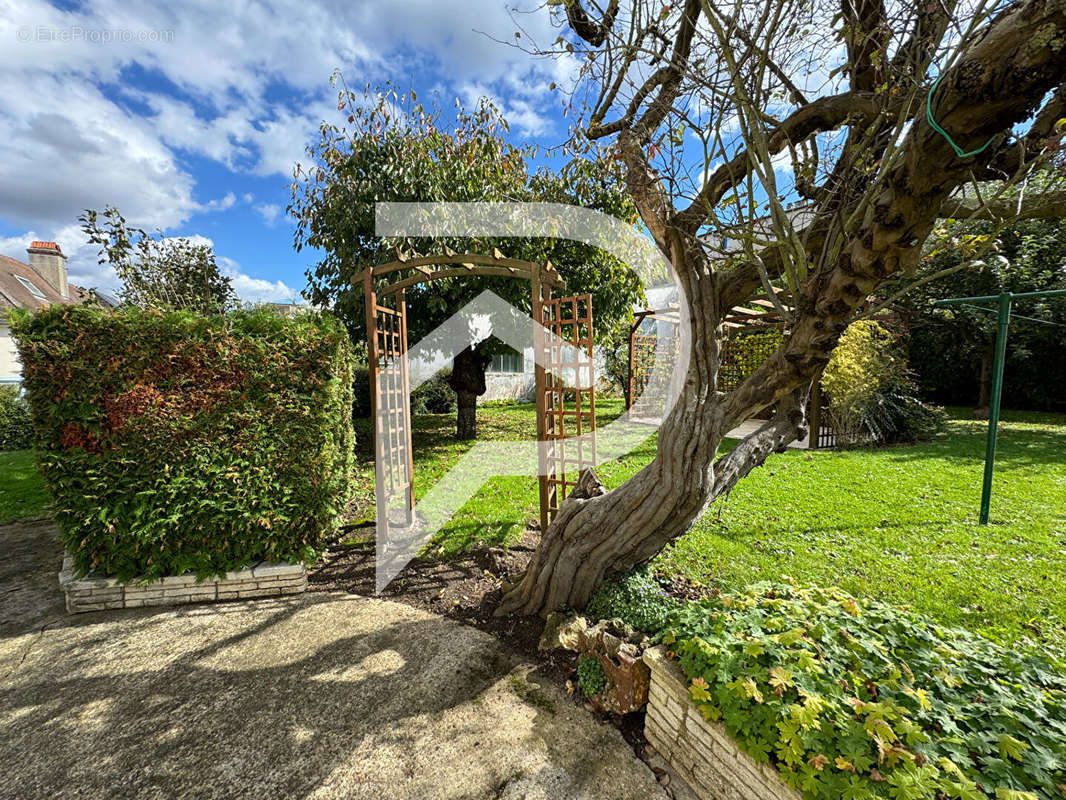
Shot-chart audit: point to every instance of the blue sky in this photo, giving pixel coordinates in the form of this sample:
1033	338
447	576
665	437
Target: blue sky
190	116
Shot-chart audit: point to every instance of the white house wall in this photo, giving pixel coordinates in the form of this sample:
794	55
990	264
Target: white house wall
10	368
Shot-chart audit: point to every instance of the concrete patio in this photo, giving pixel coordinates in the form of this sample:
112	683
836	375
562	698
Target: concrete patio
317	696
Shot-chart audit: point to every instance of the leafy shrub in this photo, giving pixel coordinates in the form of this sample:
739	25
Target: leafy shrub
16	426
361	392
870	390
590	675
434	396
894	418
636	598
874	701
173	442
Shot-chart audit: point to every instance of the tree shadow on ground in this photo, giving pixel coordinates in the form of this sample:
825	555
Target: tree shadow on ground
281	700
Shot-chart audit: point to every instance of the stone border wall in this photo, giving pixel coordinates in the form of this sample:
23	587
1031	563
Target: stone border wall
93	593
701	752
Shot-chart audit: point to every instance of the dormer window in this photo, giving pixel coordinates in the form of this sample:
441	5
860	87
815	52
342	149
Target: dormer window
30	287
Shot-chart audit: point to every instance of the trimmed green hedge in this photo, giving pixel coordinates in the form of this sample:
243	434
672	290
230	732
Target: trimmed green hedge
853	699
173	442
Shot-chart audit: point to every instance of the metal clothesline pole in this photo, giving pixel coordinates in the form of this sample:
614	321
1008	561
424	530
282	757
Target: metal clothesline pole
1003	310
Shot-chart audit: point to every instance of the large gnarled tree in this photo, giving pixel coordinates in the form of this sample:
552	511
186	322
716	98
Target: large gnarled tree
880	118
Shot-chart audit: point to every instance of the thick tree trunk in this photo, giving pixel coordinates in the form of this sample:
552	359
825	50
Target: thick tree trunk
614	532
465	415
468	381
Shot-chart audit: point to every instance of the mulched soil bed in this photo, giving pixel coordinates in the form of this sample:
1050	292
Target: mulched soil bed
466	589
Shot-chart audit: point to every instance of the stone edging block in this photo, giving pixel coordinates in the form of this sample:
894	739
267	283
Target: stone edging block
96	593
706	757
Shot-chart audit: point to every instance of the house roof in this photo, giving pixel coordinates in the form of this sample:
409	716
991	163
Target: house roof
14	292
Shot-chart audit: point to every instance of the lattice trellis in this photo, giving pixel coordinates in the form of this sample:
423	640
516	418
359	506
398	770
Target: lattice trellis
743	353
641	360
566	402
392	420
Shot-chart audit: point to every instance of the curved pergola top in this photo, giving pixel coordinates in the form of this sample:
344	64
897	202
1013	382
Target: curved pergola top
457	265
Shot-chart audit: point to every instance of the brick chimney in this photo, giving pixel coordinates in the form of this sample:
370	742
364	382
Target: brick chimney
51	264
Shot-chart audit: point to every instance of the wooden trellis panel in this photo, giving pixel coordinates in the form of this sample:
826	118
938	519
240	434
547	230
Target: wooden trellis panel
566	402
391	396
641	359
743	352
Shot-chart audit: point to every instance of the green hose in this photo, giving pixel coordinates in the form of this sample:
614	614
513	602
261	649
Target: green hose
936	127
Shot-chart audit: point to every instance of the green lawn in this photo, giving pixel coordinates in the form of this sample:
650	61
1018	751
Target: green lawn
900	524
22	493
504	506
894	523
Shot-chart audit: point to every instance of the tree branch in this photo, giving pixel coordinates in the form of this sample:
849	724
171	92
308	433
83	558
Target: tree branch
788	425
671	81
865	35
1041	134
823	114
1051	205
595	33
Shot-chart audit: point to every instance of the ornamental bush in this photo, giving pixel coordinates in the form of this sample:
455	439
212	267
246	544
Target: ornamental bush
871	393
867	700
174	442
434	396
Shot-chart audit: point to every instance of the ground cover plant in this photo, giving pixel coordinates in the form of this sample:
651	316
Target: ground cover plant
860	699
174	442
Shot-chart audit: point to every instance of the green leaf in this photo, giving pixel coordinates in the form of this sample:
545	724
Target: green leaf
1009	747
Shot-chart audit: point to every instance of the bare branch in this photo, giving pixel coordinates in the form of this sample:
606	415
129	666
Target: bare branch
1050	205
595	33
823	114
671	82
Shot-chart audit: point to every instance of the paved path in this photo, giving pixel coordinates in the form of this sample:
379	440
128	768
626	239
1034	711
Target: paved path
319	696
749	426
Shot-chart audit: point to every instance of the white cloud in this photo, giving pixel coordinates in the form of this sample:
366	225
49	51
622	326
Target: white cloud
67	147
222	204
268	211
256	290
251	89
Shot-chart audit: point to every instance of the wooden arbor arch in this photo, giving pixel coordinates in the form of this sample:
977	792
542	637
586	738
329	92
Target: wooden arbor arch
563	410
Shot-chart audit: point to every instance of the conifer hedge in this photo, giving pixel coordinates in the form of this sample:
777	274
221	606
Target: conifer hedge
173	442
